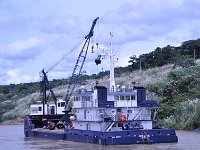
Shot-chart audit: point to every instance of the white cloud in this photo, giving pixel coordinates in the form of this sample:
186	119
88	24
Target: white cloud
123	61
59	24
21	46
16	76
25	49
58	75
34	33
154	17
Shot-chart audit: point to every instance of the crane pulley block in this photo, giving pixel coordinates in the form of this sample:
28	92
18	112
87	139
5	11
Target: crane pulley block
98	60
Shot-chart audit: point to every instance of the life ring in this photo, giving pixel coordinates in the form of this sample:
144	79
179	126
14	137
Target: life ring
122	118
60	126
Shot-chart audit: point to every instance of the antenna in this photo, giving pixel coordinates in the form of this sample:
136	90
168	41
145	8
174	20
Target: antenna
112	75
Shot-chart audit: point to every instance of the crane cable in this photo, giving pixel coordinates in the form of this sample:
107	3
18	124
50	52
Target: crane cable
65	55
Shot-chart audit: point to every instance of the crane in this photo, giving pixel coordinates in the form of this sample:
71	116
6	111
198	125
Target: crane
79	64
45	85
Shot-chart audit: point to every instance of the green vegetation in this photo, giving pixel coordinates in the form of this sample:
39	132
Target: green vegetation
170	74
179	56
180	103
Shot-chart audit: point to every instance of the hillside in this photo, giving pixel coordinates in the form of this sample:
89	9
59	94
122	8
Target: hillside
170	74
176	89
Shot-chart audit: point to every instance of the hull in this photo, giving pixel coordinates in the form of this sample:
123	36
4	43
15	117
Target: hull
137	136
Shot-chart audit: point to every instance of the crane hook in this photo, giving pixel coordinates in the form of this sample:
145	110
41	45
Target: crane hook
92	48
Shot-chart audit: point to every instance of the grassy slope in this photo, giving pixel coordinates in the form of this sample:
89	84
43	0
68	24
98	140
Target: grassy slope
156	78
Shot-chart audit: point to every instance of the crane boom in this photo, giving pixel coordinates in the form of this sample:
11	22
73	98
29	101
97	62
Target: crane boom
79	64
90	34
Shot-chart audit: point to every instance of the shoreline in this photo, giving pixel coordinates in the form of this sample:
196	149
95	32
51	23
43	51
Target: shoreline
18	121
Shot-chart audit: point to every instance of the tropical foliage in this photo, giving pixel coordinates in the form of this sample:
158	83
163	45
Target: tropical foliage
170	75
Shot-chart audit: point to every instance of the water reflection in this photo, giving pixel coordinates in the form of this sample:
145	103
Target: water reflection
187	141
12	138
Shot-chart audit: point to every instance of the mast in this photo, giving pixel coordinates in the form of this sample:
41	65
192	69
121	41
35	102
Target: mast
112	74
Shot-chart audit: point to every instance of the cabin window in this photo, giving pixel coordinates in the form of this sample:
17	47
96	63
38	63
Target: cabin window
132	97
85	114
85	98
130	111
116	97
34	109
121	97
62	104
76	98
40	108
119	110
58	104
127	97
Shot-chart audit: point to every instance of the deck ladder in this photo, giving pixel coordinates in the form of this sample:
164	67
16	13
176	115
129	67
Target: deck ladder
138	113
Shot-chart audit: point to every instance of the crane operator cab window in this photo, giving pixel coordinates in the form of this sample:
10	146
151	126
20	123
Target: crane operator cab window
61	104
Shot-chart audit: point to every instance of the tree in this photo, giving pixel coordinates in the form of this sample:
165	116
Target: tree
188	48
134	62
184	61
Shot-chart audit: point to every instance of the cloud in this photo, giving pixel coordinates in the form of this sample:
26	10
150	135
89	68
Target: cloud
59	24
11	22
22	49
58	75
34	33
14	20
151	12
138	21
15	76
4	64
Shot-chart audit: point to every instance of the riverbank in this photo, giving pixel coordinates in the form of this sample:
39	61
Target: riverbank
18	121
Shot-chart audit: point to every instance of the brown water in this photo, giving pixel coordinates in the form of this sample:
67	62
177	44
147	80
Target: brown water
12	138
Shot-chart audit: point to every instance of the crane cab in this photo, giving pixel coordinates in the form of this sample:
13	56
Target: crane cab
49	109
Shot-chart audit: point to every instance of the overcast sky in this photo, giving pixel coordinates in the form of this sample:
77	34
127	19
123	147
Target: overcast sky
34	34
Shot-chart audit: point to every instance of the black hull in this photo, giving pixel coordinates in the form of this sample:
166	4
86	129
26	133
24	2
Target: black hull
137	136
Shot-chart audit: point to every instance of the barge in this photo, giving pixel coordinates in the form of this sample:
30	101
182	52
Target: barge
109	116
121	117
